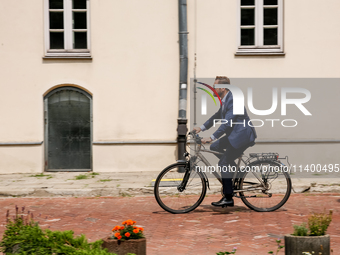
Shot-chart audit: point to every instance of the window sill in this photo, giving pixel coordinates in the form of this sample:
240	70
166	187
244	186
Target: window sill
260	53
83	54
67	57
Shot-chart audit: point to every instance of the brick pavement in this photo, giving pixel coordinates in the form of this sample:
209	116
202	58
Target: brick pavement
206	230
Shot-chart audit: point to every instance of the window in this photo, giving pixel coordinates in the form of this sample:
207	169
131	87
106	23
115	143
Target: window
67	28
260	27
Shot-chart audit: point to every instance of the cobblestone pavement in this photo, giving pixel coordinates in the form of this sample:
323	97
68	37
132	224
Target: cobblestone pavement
206	230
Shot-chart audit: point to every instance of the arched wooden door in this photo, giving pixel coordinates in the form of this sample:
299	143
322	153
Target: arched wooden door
68	130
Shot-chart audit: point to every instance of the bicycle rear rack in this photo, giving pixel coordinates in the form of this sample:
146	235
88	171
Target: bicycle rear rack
264	156
271	156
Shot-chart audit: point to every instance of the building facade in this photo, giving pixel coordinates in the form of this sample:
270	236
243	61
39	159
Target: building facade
92	85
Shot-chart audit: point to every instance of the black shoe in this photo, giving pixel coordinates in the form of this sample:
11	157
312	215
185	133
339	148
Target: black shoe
224	202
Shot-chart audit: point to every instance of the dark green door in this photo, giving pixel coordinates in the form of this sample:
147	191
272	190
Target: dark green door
68	130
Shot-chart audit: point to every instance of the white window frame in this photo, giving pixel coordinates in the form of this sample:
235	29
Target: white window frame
259	48
68	32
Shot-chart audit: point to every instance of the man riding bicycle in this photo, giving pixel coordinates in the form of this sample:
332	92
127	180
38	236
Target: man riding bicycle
239	135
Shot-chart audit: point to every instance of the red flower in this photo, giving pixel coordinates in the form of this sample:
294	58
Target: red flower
116	228
129	222
127	234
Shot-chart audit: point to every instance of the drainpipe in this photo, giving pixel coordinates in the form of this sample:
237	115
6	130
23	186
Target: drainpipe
183	78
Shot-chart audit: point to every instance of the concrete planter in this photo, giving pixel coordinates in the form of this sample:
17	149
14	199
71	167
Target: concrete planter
136	246
295	245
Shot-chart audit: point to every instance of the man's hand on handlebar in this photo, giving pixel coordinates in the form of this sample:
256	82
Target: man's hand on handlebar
197	130
206	140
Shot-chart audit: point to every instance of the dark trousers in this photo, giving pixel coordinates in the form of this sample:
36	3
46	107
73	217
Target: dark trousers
227	161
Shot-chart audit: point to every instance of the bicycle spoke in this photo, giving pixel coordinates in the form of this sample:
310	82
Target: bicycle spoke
192	176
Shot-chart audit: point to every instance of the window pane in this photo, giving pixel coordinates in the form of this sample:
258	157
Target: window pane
56	40
270	16
56	4
270	2
56	20
247	37
79	4
79	20
247	17
247	2
270	36
80	40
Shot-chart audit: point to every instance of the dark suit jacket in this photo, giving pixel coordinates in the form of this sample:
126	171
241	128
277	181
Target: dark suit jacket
239	135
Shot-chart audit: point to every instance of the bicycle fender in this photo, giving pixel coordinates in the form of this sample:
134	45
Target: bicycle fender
206	179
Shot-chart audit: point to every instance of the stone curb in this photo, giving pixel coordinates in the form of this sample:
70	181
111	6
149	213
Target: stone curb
124	184
129	192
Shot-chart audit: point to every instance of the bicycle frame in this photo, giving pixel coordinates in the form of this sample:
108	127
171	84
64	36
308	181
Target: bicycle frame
240	159
205	161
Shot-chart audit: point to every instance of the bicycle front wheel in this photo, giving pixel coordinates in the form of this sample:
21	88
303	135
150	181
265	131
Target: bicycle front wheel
178	191
265	186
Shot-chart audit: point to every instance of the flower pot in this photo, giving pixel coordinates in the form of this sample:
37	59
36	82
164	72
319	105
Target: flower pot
295	245
136	246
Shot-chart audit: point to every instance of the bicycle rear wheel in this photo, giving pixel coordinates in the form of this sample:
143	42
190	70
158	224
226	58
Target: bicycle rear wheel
169	194
271	192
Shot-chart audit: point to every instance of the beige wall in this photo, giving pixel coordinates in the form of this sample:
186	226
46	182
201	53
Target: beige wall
21	159
133	75
310	41
310	47
132	158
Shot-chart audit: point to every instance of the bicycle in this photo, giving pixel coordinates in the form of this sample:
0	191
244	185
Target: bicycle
263	183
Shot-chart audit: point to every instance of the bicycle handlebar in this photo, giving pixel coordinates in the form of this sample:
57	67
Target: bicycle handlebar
197	138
